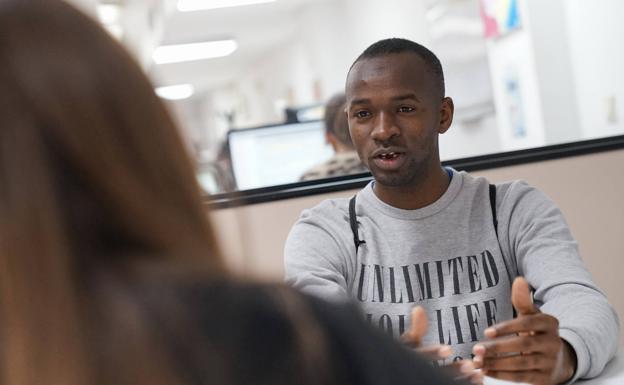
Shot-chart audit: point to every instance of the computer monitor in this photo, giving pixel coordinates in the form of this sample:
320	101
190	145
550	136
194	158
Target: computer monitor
275	155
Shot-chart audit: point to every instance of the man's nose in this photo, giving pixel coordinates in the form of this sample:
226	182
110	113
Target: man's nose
385	128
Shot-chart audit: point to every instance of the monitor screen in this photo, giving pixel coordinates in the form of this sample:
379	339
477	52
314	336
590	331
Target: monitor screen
274	155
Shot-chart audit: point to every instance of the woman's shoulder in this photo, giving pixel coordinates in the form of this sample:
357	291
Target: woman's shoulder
335	335
230	307
274	332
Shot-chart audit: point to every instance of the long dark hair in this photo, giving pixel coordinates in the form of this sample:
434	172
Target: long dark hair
96	189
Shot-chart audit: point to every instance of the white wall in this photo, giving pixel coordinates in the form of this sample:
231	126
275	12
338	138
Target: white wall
474	130
465	139
370	20
330	48
511	60
556	84
569	61
596	35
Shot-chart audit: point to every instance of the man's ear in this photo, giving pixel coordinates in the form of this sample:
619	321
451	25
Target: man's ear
447	109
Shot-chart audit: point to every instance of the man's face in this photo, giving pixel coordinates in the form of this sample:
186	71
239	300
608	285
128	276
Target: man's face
395	116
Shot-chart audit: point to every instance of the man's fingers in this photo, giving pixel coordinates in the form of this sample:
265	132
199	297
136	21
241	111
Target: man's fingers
514	344
459	369
529	377
435	352
464	370
518	363
521	297
418	324
475	378
479	356
414	335
534	323
418	327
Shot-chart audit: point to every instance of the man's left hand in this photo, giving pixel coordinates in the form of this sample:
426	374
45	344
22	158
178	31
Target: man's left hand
460	370
528	348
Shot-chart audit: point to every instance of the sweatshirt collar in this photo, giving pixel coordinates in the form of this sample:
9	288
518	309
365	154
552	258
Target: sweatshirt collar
370	199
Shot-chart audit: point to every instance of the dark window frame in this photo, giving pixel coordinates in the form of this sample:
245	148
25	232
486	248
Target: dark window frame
355	181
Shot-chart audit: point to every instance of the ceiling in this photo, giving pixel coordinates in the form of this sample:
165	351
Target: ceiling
258	29
455	29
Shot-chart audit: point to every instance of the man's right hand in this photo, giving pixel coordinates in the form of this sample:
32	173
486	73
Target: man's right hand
413	337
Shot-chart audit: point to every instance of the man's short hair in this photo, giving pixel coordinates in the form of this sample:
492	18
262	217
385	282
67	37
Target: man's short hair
335	119
398	45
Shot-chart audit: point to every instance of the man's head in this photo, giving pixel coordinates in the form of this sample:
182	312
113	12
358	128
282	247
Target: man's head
336	124
396	109
396	46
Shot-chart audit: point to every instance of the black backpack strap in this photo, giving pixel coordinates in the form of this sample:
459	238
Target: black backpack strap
495	222
354	224
493	205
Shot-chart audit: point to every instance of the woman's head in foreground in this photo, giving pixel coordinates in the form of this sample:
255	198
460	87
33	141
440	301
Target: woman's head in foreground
93	179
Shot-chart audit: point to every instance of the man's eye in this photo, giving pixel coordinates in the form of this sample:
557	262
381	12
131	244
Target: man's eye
362	114
406	109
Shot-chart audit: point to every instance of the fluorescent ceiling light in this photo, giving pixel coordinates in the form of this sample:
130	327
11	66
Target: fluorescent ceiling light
200	5
179	92
194	51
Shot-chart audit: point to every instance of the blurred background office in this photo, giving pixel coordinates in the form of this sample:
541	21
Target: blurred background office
523	73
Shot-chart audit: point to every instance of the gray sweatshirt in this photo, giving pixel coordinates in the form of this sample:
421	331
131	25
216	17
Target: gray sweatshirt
447	258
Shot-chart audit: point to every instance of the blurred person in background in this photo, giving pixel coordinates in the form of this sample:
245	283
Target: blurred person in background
345	160
217	176
109	270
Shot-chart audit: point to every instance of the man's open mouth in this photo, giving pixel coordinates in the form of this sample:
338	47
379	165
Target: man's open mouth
389	155
388	159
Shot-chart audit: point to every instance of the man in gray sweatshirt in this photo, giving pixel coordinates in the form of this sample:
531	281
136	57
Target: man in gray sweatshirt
450	243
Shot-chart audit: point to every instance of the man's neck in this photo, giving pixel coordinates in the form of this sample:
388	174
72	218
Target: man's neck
416	196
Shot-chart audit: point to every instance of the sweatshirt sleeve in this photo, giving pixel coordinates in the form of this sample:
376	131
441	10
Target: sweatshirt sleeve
547	255
314	257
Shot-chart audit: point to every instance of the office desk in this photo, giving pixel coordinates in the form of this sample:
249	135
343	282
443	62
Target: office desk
612	375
